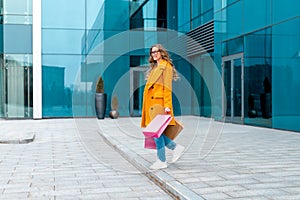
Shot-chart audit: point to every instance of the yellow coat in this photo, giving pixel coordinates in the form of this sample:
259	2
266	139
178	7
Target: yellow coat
158	93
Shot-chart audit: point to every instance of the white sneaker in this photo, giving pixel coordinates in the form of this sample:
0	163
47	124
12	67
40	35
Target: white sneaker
177	152
159	165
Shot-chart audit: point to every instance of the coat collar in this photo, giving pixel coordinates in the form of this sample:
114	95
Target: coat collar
156	73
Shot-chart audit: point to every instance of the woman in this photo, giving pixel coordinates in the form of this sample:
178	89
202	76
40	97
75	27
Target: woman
158	93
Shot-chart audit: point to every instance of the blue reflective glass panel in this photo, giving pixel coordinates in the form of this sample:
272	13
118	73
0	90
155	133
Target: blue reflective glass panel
62	87
63	14
202	12
233	46
257	14
184	15
283	10
286	70
63	41
116	20
18	38
19	7
286	42
258	44
95	14
234	20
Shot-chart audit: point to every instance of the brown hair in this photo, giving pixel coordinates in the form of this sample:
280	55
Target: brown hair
165	56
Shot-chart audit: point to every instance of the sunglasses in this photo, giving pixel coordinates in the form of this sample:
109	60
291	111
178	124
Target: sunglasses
154	52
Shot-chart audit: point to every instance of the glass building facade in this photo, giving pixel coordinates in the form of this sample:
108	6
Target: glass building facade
257	57
16	59
260	57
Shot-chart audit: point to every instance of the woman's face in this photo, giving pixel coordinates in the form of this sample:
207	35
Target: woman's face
155	53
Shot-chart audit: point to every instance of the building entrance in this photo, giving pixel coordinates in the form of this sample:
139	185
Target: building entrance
137	82
233	96
16	87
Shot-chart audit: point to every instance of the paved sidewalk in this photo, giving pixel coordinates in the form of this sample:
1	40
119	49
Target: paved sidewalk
221	161
68	160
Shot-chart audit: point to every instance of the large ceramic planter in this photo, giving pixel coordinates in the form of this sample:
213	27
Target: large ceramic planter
100	103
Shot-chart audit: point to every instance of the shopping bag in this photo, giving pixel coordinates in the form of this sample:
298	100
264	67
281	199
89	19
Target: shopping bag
149	143
154	130
157	126
172	131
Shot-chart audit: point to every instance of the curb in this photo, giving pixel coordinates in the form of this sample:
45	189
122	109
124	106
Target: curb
160	177
18	141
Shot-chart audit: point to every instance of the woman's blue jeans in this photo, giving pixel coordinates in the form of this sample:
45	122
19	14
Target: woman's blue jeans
161	142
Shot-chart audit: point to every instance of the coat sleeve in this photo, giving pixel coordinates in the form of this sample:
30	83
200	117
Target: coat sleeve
167	79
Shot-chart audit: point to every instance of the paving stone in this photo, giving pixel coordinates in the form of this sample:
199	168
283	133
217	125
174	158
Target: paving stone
257	192
216	196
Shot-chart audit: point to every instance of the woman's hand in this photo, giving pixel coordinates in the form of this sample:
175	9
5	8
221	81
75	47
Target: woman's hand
167	110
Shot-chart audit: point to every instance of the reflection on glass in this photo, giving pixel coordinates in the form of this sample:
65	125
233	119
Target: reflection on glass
17	7
17	81
227	86
137	80
258	88
16	11
237	90
233	83
59	73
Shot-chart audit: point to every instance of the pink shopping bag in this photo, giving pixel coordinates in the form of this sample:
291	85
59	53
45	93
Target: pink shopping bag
157	126
154	129
149	143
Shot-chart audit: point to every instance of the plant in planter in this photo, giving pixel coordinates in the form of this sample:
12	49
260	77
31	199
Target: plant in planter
114	113
100	99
